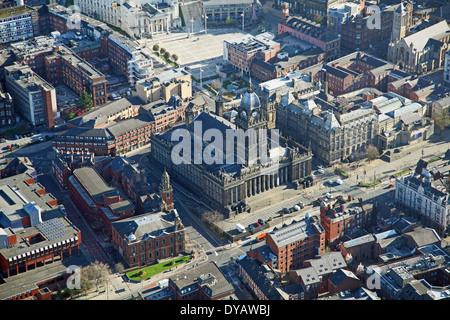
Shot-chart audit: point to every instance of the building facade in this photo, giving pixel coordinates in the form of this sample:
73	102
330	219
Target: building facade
226	186
296	243
18	23
33	97
147	238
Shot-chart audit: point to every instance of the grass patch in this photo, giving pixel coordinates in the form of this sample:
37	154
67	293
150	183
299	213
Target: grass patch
402	172
369	184
149	271
341	172
433	160
11	132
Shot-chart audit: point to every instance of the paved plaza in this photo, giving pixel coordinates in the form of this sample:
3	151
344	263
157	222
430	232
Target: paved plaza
198	51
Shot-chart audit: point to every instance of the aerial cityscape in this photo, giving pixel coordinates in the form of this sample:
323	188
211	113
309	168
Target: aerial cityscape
227	150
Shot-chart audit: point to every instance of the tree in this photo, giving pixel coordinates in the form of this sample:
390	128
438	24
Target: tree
162	51
174	57
372	152
85	283
211	217
85	101
443	120
156	47
97	273
216	84
69	116
166	55
119	267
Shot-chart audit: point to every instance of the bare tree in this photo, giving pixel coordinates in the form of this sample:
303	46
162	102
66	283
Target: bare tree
372	152
119	267
85	283
216	84
211	217
98	273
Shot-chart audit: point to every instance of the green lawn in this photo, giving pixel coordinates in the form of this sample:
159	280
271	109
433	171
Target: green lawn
369	184
155	269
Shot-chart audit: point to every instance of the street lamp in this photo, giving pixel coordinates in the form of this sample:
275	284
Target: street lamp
242	15
206	23
201	82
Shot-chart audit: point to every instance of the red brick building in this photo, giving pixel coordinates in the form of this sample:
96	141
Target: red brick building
343	217
312	33
297	242
45	235
355	71
96	200
147	238
314	273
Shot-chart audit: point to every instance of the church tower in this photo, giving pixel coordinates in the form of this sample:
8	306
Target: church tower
400	23
166	191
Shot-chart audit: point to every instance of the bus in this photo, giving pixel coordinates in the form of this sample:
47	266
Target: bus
261	237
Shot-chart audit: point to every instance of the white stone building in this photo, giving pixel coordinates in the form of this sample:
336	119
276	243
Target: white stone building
138	18
420	193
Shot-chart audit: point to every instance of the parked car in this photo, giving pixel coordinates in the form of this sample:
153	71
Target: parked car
329	195
320	199
286	210
321	171
301	204
296	208
392	186
261	221
339	181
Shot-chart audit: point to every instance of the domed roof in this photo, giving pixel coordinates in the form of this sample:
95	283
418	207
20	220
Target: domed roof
250	99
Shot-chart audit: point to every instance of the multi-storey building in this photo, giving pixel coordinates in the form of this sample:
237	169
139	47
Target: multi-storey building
165	85
424	195
313	275
97	201
295	243
7	110
226	186
332	134
34	230
217	10
136	17
355	71
342	216
33	97
313	33
63	165
240	52
18	23
144	239
204	282
63	66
